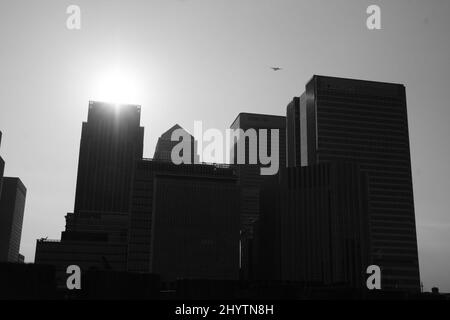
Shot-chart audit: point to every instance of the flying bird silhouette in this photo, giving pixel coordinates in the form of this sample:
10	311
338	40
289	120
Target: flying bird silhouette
276	68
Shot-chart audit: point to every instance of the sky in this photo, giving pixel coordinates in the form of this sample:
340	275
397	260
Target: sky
208	60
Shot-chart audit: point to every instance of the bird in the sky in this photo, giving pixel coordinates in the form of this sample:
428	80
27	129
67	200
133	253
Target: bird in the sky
276	68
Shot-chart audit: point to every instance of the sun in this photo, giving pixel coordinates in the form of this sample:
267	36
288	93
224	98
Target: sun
117	85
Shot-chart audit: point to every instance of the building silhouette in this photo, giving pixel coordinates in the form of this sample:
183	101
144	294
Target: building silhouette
341	201
365	123
12	206
26	282
189	211
96	233
256	121
313	226
249	174
87	254
197	200
111	140
165	145
296	121
2	166
200	227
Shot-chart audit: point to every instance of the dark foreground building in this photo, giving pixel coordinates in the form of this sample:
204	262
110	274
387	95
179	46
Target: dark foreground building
20	281
12	206
38	282
313	227
250	177
2	166
365	123
96	234
184	221
249	174
92	241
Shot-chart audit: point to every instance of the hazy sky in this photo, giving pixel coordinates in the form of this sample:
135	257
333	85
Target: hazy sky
209	60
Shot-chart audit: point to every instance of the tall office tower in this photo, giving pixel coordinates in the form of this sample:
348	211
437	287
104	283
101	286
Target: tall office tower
313	226
184	221
294	116
12	206
96	233
2	166
165	145
111	141
250	178
366	123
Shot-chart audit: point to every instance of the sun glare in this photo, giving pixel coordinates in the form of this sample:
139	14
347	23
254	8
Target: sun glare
118	85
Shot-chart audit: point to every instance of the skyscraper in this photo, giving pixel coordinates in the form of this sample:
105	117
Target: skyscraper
364	122
111	141
96	233
165	145
250	178
2	166
12	206
295	116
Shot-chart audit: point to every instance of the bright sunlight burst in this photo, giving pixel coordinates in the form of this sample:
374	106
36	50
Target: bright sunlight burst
117	85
